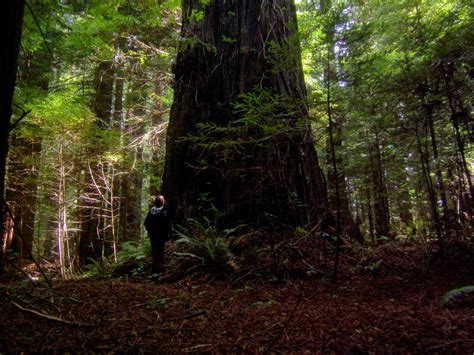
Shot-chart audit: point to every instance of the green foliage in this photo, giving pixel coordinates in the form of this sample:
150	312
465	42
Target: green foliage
368	262
98	268
133	250
132	259
283	56
154	301
204	246
196	15
261	108
58	80
260	118
60	113
301	230
226	39
380	63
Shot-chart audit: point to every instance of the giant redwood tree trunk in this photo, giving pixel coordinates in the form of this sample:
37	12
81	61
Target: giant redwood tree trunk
11	19
255	173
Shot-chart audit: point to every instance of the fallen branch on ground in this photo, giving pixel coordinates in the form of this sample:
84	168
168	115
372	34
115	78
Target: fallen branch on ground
44	315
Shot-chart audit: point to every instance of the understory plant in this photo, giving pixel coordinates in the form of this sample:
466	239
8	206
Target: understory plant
203	246
131	260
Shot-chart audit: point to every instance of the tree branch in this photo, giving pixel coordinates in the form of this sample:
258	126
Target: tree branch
44	315
23	115
39	27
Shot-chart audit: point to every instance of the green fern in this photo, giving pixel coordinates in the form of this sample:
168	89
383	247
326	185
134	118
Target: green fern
202	245
133	250
132	257
98	268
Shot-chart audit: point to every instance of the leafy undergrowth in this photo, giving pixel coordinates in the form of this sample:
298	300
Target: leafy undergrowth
388	301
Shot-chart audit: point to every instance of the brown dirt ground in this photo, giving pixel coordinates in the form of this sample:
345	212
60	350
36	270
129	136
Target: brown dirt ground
394	308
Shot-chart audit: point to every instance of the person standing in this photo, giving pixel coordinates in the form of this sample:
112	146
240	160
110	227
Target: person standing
157	225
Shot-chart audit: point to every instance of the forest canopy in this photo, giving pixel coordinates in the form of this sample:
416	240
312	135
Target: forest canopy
374	144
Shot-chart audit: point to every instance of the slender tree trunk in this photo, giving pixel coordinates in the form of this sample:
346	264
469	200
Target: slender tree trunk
24	169
61	230
382	216
24	157
21	192
335	172
426	171
348	225
247	46
458	115
368	208
131	183
438	174
368	192
11	19
118	100
92	237
116	197
403	203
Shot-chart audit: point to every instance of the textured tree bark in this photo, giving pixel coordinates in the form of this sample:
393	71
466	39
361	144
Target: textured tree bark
347	222
368	205
432	194
230	48
381	210
403	201
24	156
131	182
438	174
21	192
459	116
92	236
11	19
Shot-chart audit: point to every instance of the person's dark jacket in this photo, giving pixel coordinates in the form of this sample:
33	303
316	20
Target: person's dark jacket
157	224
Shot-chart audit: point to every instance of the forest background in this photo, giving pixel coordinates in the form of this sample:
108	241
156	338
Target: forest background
390	102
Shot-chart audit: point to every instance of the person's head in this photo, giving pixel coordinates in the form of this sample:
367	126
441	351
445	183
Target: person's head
159	201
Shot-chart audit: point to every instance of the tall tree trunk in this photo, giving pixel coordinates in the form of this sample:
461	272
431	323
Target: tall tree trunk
117	178
104	89
426	172
11	19
21	192
438	174
382	216
130	204
61	229
337	188
403	202
158	126
131	183
92	237
460	115
238	47
347	222
25	152
368	207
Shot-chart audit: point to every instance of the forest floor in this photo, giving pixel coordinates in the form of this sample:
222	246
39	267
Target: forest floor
390	304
